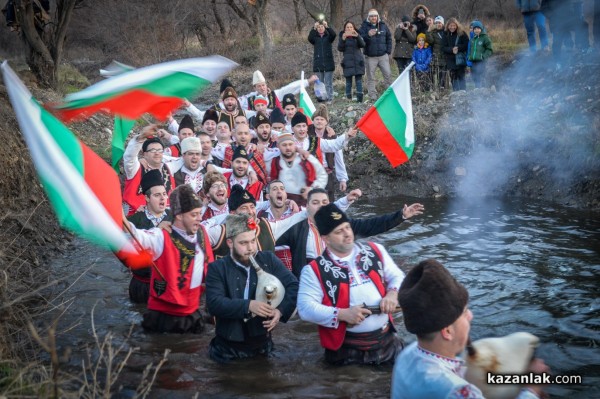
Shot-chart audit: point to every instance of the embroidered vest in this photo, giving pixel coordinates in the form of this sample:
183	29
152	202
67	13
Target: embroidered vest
330	156
314	147
307	168
273	101
132	191
179	179
175	150
335	283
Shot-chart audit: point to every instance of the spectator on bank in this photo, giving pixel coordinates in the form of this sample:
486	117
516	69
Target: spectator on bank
481	49
532	17
435	38
406	38
420	14
321	37
353	60
455	41
422	57
378	47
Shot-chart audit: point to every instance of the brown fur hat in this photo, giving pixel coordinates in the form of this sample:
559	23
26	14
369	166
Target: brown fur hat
183	199
322	112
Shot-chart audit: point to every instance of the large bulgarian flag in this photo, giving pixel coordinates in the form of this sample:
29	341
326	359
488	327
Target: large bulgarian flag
155	89
82	188
389	122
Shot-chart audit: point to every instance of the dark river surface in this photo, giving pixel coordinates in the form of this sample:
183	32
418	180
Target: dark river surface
528	267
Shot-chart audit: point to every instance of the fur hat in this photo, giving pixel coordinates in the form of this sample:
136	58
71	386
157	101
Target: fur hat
299	117
152	178
186	122
150	141
285	136
328	218
260	119
277	116
225	83
322	112
240	152
261	99
238	224
210	178
190	144
183	199
431	298
228	92
210	115
289	99
239	197
257	77
439	18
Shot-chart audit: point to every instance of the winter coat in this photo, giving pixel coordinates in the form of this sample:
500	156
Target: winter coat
481	48
405	42
379	44
323	52
435	38
528	5
420	23
353	61
449	43
422	58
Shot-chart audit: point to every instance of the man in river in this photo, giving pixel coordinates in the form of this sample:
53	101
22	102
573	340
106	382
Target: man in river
435	308
181	260
244	324
338	286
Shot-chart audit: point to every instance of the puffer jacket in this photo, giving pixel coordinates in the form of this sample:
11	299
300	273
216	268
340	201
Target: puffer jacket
420	23
528	5
353	61
323	52
449	42
481	48
422	59
379	44
405	42
435	38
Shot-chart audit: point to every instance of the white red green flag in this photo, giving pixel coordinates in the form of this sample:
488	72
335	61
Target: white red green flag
389	122
82	188
305	101
156	89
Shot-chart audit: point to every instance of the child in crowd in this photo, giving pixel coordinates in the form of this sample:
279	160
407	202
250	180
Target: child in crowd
422	58
479	51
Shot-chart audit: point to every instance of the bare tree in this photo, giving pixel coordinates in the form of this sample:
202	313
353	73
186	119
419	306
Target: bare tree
264	27
336	8
297	14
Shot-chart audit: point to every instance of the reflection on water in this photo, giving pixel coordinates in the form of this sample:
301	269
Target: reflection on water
527	266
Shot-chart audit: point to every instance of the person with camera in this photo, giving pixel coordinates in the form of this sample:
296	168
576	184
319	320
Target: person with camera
321	37
353	61
421	16
406	38
378	47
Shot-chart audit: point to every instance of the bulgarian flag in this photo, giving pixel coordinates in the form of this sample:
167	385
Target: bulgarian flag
82	188
389	122
156	89
305	101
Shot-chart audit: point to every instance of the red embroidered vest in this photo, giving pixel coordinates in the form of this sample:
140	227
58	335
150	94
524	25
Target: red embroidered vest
254	189
307	167
132	191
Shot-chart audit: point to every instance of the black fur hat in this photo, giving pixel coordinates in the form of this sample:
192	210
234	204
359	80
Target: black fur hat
328	218
150	141
239	152
183	199
299	117
239	197
210	114
150	179
277	116
186	122
261	118
289	99
225	83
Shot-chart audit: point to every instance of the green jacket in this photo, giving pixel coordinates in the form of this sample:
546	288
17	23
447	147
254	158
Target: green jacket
481	48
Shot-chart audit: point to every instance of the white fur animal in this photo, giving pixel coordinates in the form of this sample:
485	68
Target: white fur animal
510	354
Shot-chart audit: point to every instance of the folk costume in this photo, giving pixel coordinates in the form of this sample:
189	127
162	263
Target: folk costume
175	149
255	159
231	286
281	251
225	116
274	96
330	283
256	189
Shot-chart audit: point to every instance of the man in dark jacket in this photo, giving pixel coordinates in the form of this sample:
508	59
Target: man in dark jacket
378	47
243	323
532	17
321	37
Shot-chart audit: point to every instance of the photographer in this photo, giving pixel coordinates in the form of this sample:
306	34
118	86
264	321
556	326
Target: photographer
406	38
353	62
321	37
378	47
420	16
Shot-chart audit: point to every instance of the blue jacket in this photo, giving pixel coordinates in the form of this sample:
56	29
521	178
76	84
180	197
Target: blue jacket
528	5
379	44
422	58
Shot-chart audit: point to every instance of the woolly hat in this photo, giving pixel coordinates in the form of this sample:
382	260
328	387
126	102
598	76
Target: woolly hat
289	99
240	152
229	92
151	178
257	77
431	298
277	116
299	117
260	119
372	12
210	115
150	141
322	112
186	122
328	218
285	136
225	83
439	18
261	99
239	197
190	144
405	18
477	24
238	224
183	199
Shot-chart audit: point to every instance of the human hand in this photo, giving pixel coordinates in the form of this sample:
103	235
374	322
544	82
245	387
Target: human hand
165	225
537	366
352	132
455	50
140	208
304	191
312	79
148	131
354	195
291	204
252	177
354	315
162	133
260	308
316	25
413	210
273	320
144	164
372	32
343	186
304	154
389	302
344	35
186	103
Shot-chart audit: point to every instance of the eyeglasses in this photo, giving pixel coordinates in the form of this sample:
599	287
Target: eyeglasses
155	151
218	186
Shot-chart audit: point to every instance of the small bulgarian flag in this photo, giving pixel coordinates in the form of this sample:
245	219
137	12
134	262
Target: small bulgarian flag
82	188
304	101
389	122
155	89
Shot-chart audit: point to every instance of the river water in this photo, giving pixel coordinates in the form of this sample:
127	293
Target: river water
528	267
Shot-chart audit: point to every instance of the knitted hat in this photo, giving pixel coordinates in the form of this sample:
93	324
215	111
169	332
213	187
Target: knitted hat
289	99
477	24
257	77
151	178
225	83
260	119
431	298
228	92
239	197
186	122
405	18
210	115
240	152
261	100
373	12
150	141
421	36
285	136
299	117
277	116
183	199
439	18
322	112
328	218
238	224
190	144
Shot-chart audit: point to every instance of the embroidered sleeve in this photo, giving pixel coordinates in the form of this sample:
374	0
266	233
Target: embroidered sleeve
466	392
